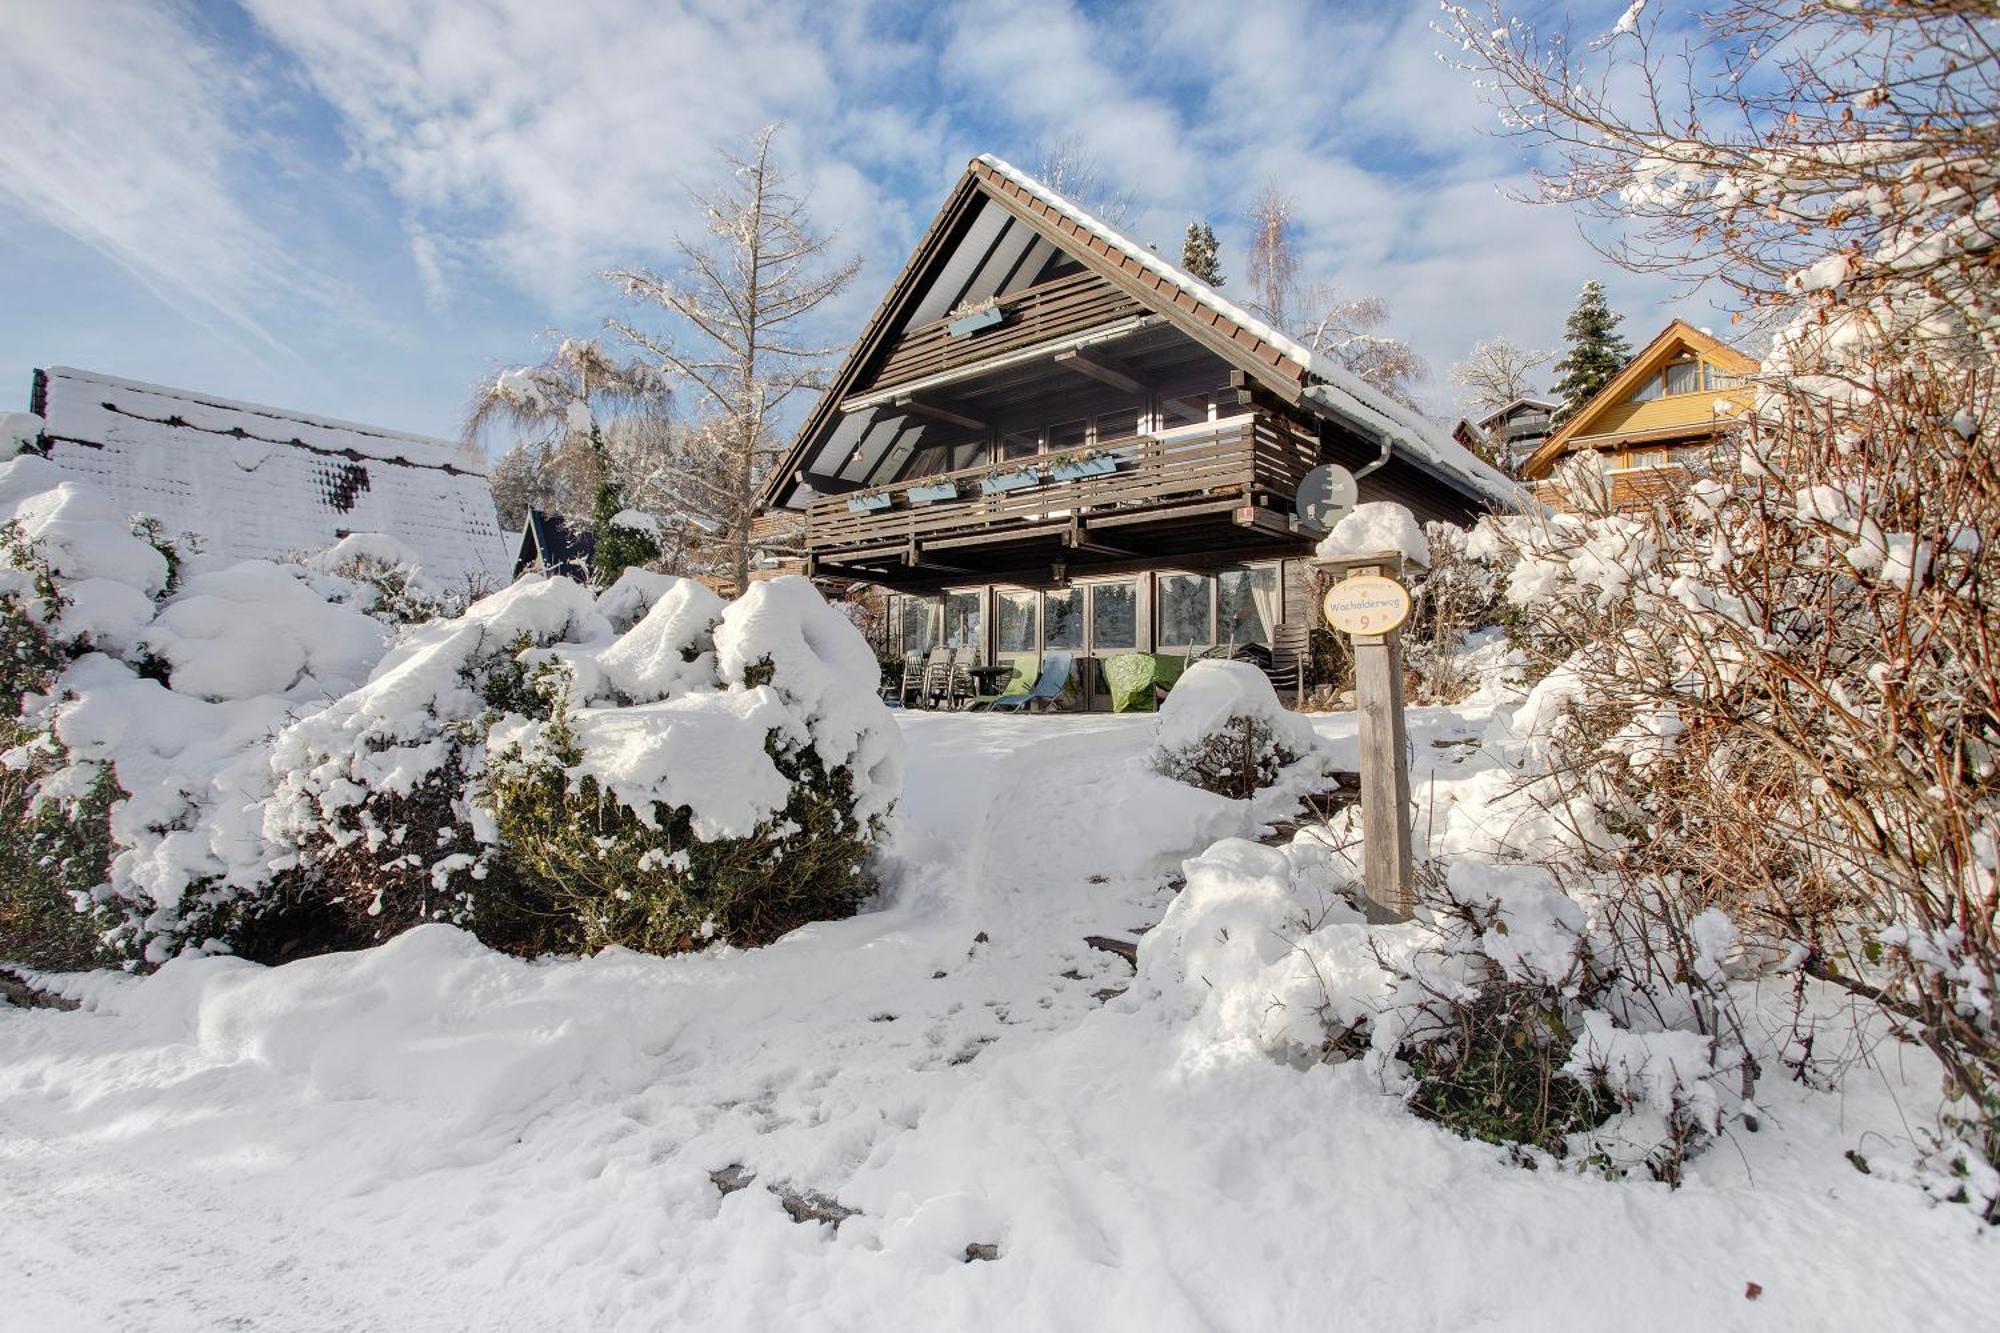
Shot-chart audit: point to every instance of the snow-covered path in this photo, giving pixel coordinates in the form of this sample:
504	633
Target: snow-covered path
430	1136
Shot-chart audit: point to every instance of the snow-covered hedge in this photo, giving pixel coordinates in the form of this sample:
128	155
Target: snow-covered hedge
1222	729
715	773
278	758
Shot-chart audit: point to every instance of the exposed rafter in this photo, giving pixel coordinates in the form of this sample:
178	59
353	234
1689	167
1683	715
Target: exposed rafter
1099	369
917	407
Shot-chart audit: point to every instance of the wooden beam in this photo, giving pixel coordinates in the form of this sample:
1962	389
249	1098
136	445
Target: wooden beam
1083	363
932	412
1078	538
825	484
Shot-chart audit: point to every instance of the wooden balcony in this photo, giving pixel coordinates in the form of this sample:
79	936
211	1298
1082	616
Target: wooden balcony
1236	473
1069	305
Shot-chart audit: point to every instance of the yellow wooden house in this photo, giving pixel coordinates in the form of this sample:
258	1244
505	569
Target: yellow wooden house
1658	419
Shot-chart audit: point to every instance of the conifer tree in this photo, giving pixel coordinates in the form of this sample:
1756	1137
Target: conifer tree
1597	351
616	547
1200	255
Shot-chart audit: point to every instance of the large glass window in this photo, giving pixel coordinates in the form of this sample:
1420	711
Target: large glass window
1065	436
1247	605
1114	617
1683	377
1062	618
964	620
1185	615
1017	621
1020	444
1115	426
1184	410
918	623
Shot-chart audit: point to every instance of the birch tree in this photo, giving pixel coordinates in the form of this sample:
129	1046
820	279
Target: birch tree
1498	371
735	303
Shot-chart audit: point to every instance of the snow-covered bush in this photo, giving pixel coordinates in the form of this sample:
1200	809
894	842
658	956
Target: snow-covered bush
371	812
716	773
1223	730
1507	1011
375	573
712	773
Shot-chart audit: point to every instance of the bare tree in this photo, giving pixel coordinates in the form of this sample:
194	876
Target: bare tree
1347	330
1074	172
1792	691
552	408
736	304
1273	270
1498	371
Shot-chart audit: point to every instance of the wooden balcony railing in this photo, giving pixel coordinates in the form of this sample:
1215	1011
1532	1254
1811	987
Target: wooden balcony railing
1068	305
1211	467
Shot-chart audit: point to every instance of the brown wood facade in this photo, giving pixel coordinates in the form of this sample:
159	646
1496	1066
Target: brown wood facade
1166	434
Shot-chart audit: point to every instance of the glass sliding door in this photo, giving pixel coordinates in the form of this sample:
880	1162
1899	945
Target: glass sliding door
1114	618
1016	612
1186	612
1062	619
916	618
965	621
1246	606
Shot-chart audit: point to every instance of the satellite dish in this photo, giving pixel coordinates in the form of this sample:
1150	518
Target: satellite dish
1325	496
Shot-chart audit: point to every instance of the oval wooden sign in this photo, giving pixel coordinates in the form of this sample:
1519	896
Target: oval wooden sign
1366	604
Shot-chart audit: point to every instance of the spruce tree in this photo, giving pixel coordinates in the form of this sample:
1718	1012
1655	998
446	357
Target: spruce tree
1200	255
615	547
1597	351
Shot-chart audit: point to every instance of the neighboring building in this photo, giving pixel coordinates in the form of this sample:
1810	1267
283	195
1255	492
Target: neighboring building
1169	430
550	545
1658	419
1510	433
261	483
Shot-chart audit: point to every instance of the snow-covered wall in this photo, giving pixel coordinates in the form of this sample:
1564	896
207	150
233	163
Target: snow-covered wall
261	482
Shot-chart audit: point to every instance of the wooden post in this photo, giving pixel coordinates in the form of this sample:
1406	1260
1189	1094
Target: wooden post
1388	864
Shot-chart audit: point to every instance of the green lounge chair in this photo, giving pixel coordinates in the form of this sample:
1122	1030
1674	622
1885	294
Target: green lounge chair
1055	675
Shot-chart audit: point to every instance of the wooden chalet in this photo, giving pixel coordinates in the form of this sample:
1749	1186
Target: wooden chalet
1656	423
1049	437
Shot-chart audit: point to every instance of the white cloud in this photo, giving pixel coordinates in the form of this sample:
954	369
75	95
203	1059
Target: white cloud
117	129
557	139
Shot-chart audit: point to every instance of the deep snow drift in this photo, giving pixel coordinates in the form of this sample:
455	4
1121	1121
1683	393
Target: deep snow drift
428	1135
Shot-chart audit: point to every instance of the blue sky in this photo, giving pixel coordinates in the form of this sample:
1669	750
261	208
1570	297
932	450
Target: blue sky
361	207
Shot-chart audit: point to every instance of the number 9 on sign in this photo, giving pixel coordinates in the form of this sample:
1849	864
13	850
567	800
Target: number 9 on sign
1366	604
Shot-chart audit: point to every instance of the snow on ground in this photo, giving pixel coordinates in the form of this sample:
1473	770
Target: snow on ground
431	1136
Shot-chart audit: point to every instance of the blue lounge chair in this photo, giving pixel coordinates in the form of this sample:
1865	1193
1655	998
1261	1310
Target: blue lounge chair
1055	675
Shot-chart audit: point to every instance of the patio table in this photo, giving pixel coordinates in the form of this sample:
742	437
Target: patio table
1132	678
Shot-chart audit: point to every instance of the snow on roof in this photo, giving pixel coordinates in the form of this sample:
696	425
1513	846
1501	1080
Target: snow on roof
1339	391
1525	400
257	482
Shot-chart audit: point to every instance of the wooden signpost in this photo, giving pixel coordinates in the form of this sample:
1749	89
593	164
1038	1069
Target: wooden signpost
1369	604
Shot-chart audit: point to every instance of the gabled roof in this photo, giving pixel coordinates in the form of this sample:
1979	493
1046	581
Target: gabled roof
548	541
257	482
1525	400
1276	361
1670	343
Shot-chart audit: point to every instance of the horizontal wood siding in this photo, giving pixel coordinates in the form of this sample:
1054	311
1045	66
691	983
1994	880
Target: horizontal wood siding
1247	343
1072	304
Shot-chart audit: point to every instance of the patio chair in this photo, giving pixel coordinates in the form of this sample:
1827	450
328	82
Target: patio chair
1291	658
911	691
937	676
1055	675
960	687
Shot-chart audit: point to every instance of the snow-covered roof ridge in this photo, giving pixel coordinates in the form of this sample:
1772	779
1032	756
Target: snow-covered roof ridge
285	425
1339	390
262	483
